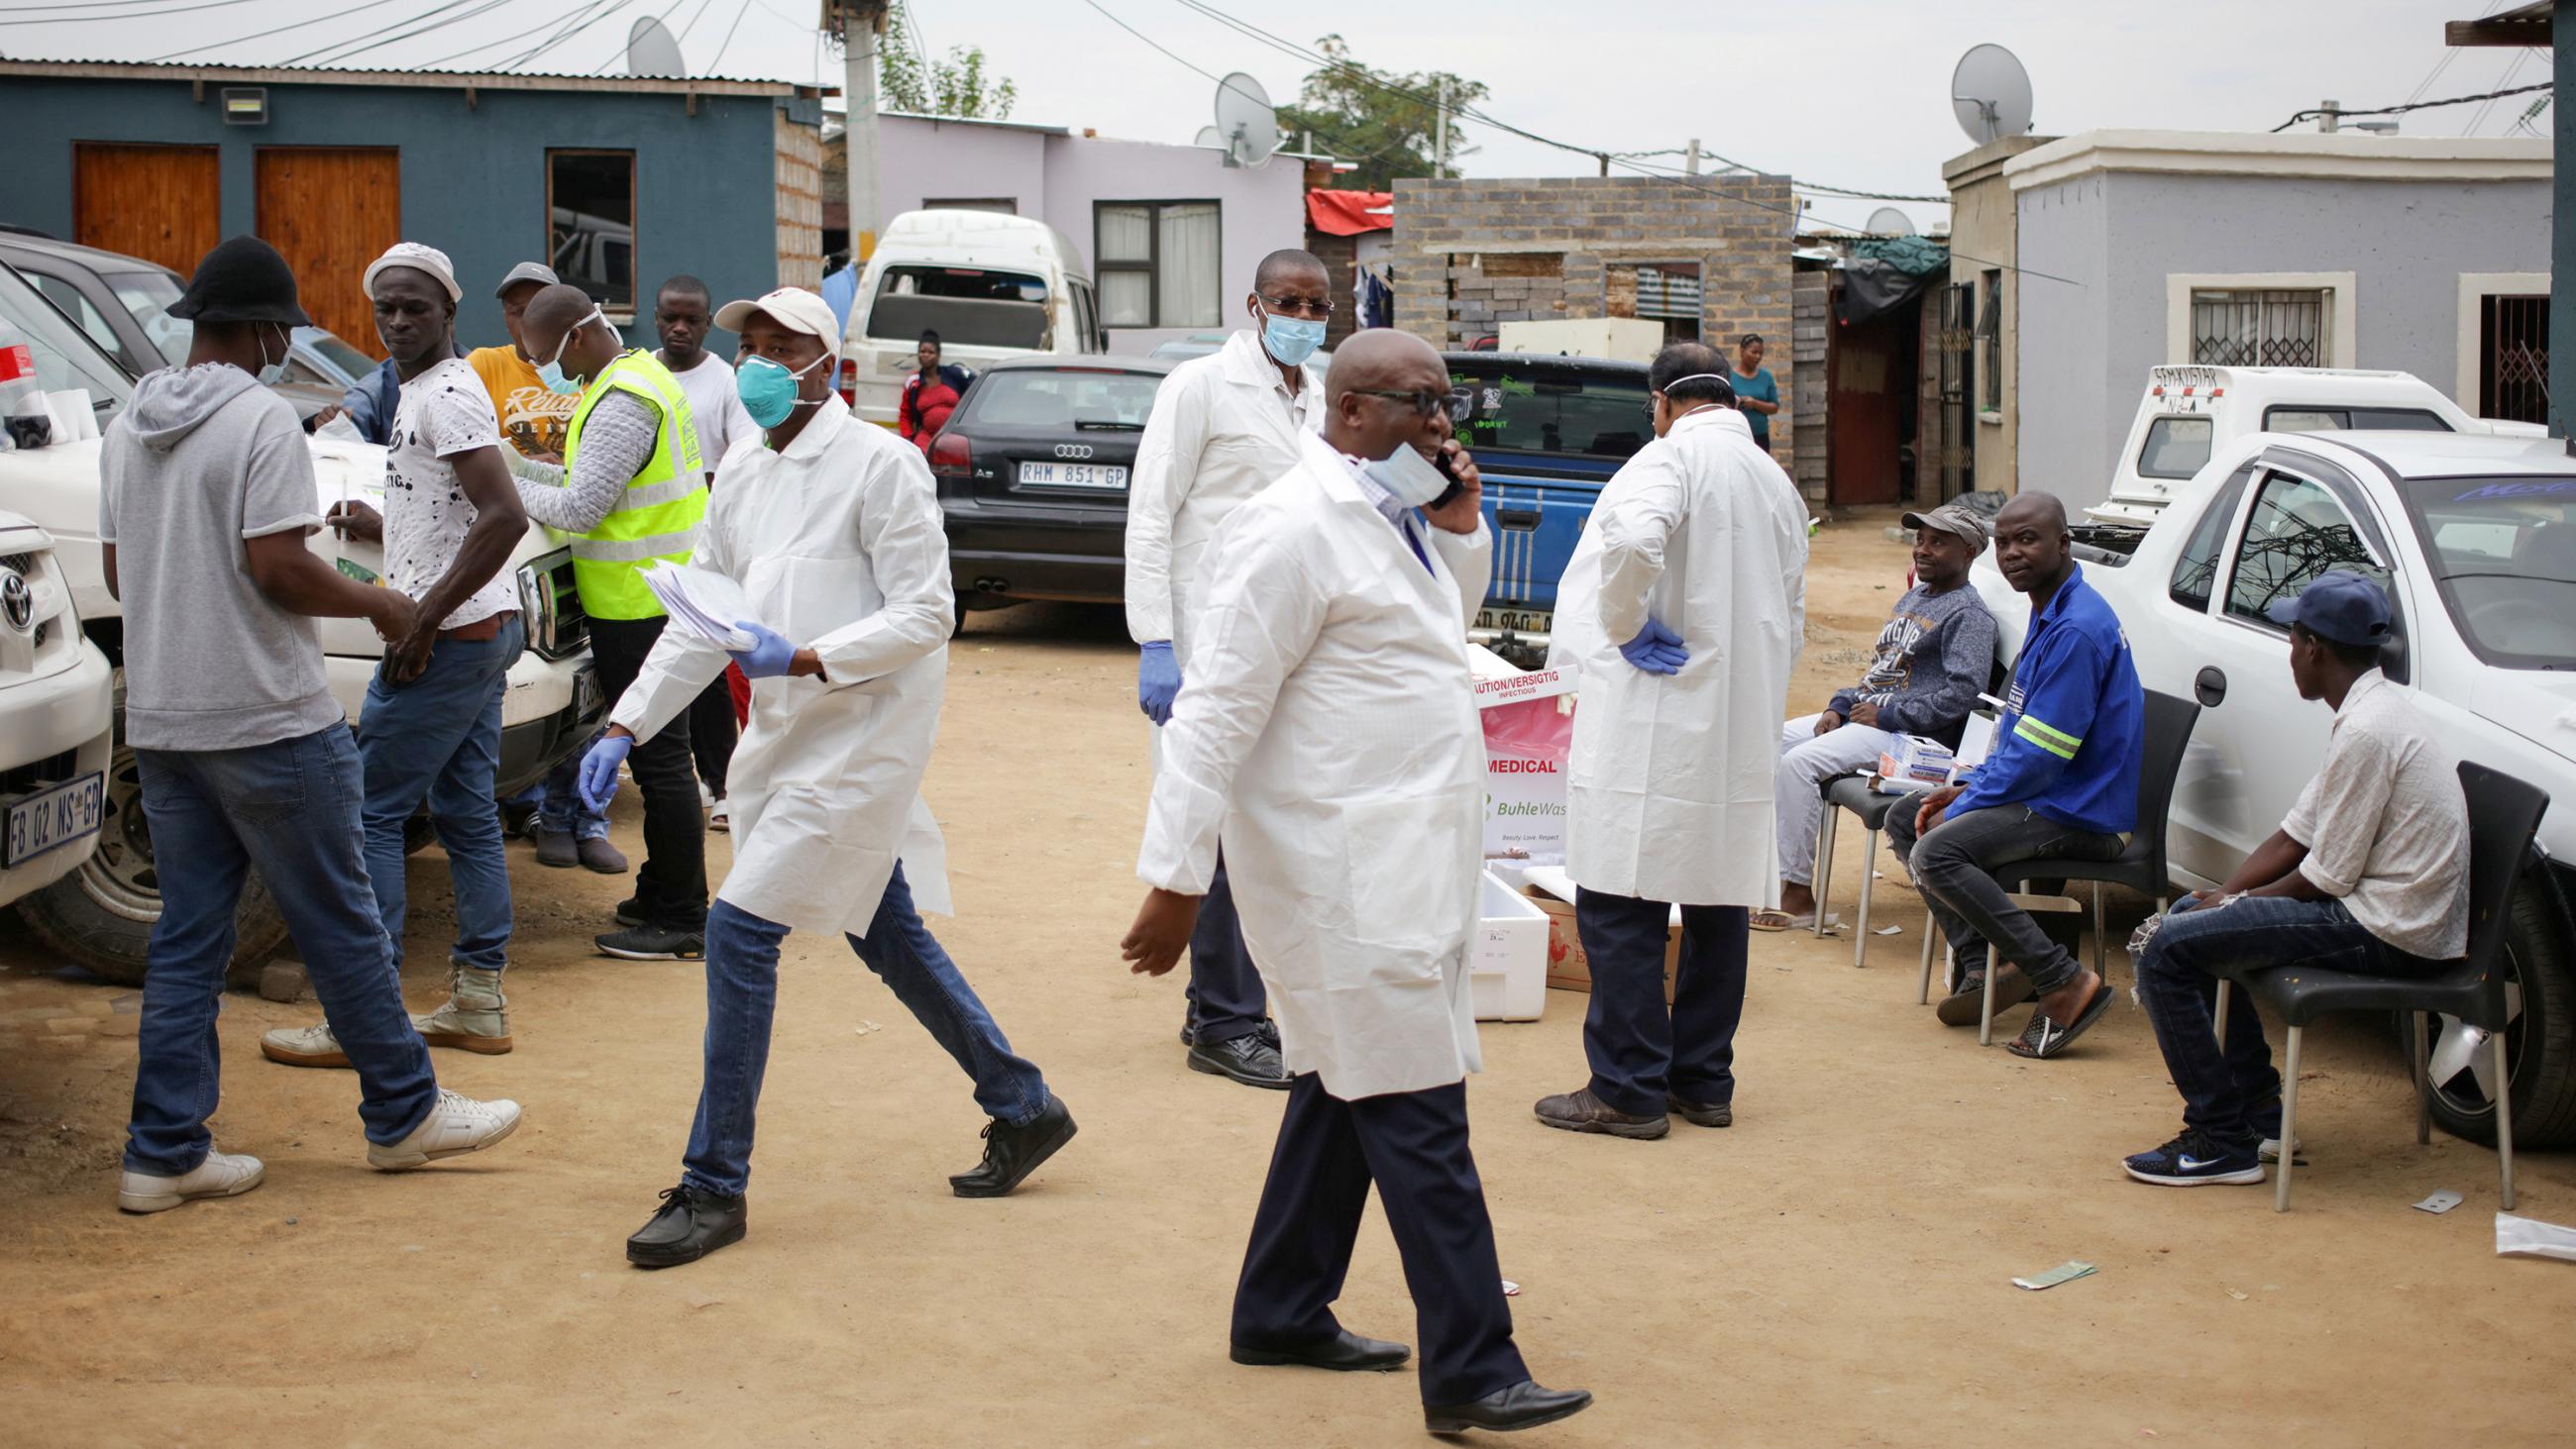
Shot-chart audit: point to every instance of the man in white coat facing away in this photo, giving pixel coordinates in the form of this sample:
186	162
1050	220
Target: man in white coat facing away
832	528
1683	607
1328	733
1222	428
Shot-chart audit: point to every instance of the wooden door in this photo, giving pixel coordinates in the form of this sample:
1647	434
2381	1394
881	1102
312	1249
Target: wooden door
330	210
160	203
1869	415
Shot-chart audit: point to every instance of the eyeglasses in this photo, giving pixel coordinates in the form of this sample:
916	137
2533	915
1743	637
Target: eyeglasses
1459	405
1310	307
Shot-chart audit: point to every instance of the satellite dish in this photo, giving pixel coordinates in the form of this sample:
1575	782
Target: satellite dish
1888	221
1210	137
651	49
1246	124
1990	94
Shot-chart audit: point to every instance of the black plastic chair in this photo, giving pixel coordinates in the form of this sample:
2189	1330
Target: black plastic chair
2140	867
1852	793
2504	814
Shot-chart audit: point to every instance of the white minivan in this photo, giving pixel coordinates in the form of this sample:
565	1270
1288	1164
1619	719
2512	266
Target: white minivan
992	285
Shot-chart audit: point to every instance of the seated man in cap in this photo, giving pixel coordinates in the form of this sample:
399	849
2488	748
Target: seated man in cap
1933	660
2368	874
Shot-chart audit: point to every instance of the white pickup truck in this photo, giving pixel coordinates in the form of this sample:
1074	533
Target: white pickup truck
55	708
101	913
2473	533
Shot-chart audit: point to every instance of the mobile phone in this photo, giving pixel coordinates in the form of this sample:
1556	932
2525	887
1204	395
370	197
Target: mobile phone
1448	495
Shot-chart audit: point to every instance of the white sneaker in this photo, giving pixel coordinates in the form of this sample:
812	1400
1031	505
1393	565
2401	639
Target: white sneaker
706	797
458	1124
222	1174
304	1046
720	817
2270	1149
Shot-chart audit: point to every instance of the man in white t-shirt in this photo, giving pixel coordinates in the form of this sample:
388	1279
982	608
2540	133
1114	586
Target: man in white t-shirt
683	311
431	728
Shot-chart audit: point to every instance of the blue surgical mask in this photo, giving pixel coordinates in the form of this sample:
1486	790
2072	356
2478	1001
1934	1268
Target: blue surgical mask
551	373
1291	340
272	373
1414	479
768	389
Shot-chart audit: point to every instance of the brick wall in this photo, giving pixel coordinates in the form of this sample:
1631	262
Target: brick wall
1338	254
1471	254
1811	309
800	202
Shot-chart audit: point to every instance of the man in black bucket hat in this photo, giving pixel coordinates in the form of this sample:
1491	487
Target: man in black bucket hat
245	759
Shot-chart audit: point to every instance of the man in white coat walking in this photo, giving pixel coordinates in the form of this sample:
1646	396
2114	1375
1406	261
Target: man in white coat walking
832	529
1222	428
1329	735
1684	607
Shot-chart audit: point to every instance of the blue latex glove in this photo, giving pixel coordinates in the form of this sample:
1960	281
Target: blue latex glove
1158	681
770	655
599	770
1656	650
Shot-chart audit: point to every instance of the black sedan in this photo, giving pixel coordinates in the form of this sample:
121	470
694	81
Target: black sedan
1033	470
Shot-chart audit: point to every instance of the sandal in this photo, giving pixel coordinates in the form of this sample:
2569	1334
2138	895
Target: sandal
1781	921
2044	1038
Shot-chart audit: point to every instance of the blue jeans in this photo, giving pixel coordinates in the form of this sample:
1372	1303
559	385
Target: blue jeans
2232	1093
1640	1049
290	809
560	809
438	739
1955	867
742	994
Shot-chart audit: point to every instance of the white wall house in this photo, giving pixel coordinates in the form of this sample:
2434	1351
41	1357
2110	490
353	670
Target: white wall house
1171	232
2424	254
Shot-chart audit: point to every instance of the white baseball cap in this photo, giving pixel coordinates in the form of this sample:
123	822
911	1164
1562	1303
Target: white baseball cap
793	308
418	258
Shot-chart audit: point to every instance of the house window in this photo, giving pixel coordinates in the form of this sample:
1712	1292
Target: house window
590	224
2513	358
1670	293
2270	327
1158	263
1990	344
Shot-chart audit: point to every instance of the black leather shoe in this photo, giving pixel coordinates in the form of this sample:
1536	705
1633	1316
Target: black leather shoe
692	1223
1522	1406
1702	1114
1344	1352
1012	1153
1246	1059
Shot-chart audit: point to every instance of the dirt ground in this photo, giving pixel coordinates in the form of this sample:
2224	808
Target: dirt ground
1834	1270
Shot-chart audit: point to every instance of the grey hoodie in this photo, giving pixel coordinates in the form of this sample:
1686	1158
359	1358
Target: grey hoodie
204	459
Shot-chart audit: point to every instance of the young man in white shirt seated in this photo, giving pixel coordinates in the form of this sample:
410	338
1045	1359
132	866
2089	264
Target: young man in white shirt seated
2369	874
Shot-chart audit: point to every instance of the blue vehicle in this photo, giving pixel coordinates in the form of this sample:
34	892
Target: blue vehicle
1547	431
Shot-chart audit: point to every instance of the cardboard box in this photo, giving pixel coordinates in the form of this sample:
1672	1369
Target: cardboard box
1568	969
1507	963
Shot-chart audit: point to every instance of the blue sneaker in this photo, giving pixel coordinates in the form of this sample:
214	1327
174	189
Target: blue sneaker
2196	1160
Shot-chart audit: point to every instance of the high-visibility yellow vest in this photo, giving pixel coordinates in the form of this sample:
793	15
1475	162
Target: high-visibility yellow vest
658	516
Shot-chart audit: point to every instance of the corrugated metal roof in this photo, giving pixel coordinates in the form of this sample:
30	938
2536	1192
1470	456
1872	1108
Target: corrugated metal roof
344	75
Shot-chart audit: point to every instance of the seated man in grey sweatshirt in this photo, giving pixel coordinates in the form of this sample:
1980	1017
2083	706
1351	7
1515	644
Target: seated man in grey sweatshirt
1934	658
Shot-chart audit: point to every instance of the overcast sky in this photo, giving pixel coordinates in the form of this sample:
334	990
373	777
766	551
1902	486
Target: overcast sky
1853	93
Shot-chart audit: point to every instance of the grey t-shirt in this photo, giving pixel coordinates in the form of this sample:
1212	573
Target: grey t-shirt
204	459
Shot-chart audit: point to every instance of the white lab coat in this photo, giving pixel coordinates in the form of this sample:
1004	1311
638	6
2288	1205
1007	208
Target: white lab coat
837	541
1223	426
1329	732
1669	781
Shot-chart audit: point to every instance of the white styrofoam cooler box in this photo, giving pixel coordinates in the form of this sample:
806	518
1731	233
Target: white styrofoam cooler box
1507	961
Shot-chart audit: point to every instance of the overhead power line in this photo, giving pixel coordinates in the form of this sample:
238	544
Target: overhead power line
2339	114
739	11
127	15
261	34
1338	143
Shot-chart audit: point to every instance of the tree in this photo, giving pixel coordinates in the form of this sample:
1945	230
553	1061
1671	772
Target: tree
1384	120
956	86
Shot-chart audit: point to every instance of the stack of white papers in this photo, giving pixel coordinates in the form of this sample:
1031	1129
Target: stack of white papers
706	603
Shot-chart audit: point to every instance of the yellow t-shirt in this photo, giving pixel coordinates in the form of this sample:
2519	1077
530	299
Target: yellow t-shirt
533	419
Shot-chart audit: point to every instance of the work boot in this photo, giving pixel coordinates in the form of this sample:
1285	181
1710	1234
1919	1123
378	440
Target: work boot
596	854
476	1016
304	1046
555	848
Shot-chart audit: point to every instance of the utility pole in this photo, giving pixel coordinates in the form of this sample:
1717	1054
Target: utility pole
1691	164
1440	133
859	24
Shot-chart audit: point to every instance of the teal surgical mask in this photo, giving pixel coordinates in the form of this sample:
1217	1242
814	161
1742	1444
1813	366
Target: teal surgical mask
551	373
769	388
1290	340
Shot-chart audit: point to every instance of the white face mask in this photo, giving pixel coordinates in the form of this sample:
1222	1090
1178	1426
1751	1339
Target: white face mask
1414	479
273	373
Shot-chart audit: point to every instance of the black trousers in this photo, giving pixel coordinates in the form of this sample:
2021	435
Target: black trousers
1225	995
1413	1145
711	734
1640	1048
671	886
